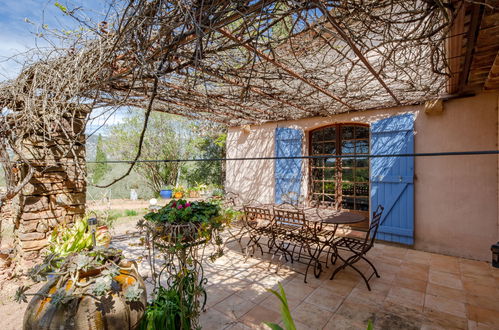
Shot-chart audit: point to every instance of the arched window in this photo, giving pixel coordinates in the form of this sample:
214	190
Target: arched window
342	183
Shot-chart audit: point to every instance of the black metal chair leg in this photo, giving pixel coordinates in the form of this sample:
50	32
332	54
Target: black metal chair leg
374	268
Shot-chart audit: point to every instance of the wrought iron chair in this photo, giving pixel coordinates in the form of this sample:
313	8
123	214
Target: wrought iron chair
290	228
359	247
258	222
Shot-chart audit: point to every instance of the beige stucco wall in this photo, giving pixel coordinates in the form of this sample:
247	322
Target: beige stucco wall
456	197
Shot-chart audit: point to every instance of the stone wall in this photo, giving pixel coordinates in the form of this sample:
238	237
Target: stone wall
56	192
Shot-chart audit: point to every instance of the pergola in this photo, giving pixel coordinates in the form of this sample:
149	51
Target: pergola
233	63
245	62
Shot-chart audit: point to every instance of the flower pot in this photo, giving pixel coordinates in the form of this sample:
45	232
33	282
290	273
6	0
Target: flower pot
193	194
104	236
166	193
88	311
179	195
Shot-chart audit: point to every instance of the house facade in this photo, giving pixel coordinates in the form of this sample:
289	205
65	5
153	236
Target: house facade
444	204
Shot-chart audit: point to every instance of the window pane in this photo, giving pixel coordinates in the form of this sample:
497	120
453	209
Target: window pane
362	162
347	174
317	135
330	148
347	189
348	203
348	162
362	204
329	174
330	162
362	147
317	148
329	188
347	132
317	187
318	162
362	189
317	173
330	133
362	175
329	198
347	147
361	132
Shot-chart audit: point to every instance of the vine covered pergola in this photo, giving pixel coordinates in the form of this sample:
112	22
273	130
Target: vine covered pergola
238	63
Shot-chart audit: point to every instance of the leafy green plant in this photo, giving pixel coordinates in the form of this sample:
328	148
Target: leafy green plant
182	211
68	239
287	319
173	307
131	213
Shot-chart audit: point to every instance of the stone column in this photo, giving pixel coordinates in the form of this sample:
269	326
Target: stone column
56	192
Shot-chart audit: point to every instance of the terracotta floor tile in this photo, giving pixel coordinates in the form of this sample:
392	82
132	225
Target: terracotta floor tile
297	290
445	279
273	303
489	302
474	267
254	292
313	316
410	283
214	320
444	320
446	292
406	297
483	315
358	313
258	314
242	326
472	325
477	289
234	306
325	298
339	287
445	265
479	279
418	257
338	322
445	305
216	294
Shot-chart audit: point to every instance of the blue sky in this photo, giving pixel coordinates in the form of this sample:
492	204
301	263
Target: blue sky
16	35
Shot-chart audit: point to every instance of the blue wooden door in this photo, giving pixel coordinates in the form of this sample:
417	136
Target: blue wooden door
392	178
288	172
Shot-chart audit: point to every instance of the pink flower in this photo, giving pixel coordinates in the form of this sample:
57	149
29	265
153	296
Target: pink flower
174	204
179	206
187	204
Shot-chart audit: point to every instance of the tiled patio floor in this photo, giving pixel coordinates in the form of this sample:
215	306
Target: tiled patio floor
417	290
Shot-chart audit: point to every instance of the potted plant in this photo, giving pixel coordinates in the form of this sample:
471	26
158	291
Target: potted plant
166	192
178	192
99	288
179	231
193	192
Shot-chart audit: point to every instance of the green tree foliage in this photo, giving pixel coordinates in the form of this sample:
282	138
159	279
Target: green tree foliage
207	143
100	169
167	137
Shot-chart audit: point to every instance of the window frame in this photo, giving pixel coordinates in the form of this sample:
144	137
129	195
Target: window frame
338	170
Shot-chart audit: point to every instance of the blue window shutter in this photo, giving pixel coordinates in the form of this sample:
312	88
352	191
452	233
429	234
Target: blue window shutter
288	172
392	178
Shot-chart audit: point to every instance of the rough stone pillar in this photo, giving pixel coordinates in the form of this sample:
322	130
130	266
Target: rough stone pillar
56	192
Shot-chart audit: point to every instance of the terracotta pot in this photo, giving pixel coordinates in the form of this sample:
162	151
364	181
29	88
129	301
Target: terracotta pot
111	312
193	194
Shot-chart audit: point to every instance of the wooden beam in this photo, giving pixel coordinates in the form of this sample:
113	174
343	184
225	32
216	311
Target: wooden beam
474	29
454	47
492	82
356	50
283	67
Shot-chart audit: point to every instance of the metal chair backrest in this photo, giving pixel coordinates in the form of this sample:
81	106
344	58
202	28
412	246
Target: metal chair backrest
373	227
284	217
257	215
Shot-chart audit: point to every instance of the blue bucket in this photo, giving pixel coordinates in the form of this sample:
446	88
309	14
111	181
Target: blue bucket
165	194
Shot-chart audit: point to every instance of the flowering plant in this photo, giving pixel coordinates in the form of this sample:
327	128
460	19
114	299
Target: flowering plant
181	211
